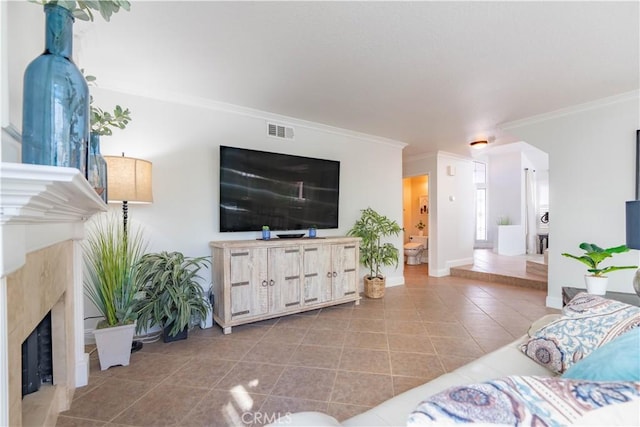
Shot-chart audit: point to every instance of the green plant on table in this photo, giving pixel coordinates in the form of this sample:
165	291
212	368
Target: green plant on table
111	281
172	292
594	255
371	228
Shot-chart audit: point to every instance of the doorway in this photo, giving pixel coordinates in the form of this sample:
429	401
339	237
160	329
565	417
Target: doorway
415	218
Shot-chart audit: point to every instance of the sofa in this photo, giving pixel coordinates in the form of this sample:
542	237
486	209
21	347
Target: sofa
490	390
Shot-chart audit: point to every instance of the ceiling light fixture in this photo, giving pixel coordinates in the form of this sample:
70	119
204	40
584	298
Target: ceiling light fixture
479	144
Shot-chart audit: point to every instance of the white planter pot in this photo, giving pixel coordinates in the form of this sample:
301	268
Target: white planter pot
114	345
596	285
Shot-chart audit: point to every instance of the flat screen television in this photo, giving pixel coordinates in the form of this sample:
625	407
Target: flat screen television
282	191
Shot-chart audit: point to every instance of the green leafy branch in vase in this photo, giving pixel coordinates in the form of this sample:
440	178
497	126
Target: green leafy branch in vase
103	121
81	9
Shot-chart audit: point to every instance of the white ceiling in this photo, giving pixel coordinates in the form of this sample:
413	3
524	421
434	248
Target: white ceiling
435	75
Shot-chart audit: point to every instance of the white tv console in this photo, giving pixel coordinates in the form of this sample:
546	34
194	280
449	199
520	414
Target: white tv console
261	279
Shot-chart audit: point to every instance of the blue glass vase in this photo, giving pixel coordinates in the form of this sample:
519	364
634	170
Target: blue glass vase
55	117
97	167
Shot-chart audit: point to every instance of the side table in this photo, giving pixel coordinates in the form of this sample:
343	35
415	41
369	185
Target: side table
568	293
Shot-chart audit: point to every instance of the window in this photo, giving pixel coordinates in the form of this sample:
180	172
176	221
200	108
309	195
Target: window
480	181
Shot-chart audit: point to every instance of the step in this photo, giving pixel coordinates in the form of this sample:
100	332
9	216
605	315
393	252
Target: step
539	282
535	267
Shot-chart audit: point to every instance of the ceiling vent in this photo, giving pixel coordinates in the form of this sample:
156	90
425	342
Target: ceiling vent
279	131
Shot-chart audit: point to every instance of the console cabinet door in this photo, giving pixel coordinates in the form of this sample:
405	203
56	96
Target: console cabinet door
317	274
345	258
285	278
249	290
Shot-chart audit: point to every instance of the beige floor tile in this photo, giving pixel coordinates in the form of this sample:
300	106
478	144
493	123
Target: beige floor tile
315	356
367	325
372	340
203	374
456	347
416	365
405	327
270	352
226	348
365	360
446	329
276	407
305	383
330	323
402	384
225	409
175	402
284	336
342	411
325	337
361	389
64	421
252	376
411	343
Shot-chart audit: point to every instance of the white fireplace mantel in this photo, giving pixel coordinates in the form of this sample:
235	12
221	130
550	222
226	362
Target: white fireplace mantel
41	206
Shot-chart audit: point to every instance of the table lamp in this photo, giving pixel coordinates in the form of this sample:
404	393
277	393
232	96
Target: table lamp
128	181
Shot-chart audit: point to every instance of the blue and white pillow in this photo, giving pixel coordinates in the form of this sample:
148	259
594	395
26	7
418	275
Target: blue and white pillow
588	322
522	400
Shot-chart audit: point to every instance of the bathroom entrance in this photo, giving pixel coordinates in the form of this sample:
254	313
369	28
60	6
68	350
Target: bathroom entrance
415	194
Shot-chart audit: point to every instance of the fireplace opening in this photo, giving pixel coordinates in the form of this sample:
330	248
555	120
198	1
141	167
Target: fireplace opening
37	358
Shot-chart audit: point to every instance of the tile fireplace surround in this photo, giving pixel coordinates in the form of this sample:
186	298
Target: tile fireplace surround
42	214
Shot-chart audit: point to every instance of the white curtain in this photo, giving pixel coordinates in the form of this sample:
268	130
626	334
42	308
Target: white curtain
531	209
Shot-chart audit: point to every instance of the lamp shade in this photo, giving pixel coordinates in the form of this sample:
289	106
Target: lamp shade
129	180
633	224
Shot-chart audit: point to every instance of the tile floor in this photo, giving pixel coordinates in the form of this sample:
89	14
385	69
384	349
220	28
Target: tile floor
340	360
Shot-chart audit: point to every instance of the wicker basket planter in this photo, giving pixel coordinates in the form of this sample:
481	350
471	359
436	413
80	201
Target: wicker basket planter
374	287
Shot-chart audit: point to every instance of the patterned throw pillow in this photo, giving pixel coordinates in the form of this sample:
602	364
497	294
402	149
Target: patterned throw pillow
588	322
522	400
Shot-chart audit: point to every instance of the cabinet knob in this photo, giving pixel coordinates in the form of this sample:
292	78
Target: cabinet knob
272	282
264	283
329	275
335	274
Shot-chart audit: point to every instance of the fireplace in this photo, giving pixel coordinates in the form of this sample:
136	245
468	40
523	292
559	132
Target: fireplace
37	357
42	215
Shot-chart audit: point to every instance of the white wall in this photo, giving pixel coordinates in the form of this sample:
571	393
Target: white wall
451	214
504	189
591	174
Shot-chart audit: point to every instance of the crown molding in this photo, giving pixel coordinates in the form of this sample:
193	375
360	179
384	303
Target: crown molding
574	109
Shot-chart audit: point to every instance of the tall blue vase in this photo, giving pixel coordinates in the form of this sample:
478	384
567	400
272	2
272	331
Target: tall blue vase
97	167
55	117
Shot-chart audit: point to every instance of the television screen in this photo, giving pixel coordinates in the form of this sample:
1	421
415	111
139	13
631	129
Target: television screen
282	191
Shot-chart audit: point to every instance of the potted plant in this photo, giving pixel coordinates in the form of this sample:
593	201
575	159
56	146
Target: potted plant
597	281
112	284
172	294
371	228
421	226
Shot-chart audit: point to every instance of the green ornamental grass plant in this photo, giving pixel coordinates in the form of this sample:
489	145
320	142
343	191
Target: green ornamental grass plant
111	281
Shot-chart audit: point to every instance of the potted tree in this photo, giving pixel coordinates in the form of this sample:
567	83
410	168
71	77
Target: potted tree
597	281
111	283
371	228
172	294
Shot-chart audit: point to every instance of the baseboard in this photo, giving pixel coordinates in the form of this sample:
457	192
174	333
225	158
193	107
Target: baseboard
82	370
459	262
394	281
439	272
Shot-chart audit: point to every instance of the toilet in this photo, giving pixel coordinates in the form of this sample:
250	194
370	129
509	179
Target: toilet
415	251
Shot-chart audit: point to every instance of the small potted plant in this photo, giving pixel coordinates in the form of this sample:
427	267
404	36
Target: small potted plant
172	295
372	228
421	226
112	284
597	281
266	233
